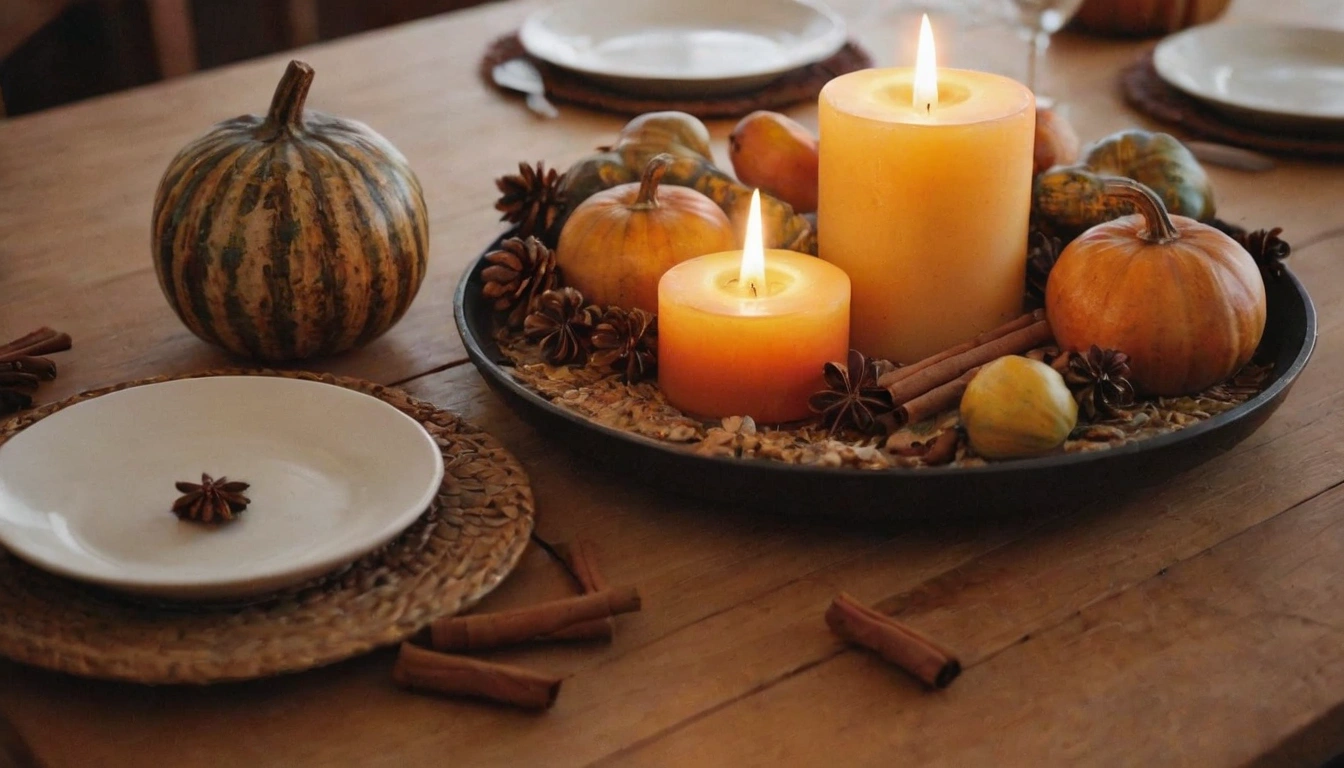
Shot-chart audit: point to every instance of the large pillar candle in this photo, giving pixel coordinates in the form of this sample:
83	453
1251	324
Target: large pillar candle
924	203
740	338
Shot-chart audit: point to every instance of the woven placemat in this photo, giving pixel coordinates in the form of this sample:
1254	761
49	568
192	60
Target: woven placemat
461	548
792	87
1147	92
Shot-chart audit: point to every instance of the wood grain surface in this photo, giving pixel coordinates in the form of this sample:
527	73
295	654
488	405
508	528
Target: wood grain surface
1200	622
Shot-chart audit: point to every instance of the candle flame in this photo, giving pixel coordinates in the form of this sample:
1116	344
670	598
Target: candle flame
926	69
751	277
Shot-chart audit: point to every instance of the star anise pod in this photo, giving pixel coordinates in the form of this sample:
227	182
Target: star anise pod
1100	383
626	340
212	501
561	324
532	199
1267	249
852	398
1042	253
519	272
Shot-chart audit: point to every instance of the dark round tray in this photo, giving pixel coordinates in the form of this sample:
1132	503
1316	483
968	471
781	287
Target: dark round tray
903	494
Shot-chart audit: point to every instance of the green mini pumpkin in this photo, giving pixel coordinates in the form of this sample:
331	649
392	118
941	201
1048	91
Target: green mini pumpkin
1071	198
685	138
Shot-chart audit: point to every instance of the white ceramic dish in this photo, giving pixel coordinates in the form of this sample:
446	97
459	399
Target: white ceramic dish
86	491
685	47
1274	77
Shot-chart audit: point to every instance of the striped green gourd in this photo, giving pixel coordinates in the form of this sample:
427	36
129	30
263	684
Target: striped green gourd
289	236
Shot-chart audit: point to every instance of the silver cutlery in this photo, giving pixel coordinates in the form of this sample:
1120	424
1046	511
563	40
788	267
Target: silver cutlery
522	76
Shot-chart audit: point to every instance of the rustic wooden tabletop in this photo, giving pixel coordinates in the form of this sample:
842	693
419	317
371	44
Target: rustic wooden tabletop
1198	622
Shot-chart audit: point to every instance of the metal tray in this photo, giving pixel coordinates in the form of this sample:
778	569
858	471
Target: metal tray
933	493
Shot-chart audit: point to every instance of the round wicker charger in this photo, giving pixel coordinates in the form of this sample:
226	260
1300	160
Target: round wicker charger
461	548
792	87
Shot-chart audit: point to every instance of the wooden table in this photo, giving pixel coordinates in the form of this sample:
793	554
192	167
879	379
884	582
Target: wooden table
1201	622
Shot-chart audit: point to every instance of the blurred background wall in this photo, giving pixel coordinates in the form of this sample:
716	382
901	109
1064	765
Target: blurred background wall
57	51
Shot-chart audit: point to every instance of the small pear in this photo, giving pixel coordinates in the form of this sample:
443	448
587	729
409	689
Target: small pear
773	152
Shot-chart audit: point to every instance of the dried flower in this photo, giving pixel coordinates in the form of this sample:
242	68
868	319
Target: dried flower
627	342
852	398
1100	383
561	324
532	199
519	272
212	501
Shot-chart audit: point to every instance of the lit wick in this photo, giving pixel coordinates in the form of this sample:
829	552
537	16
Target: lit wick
752	273
926	70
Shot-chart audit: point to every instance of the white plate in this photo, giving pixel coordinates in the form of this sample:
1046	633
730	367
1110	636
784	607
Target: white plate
683	47
86	492
1285	78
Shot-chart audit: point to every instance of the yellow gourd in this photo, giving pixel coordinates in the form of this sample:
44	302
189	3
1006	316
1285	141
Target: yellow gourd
1017	407
618	243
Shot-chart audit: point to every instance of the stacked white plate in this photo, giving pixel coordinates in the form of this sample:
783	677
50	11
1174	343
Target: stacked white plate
1278	78
87	491
683	47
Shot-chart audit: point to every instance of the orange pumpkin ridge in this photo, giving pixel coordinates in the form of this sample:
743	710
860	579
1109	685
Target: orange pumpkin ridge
1183	300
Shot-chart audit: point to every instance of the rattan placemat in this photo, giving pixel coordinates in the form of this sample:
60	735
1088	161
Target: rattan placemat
462	547
792	87
1147	92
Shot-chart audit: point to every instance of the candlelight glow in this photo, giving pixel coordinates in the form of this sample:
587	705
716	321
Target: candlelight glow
926	69
751	277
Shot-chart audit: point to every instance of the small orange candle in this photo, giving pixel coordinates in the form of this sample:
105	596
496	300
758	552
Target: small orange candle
746	333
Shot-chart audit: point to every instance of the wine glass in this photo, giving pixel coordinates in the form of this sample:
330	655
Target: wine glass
1036	21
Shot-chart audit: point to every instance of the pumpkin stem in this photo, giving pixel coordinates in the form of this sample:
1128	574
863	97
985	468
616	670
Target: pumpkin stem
1160	228
648	183
286	111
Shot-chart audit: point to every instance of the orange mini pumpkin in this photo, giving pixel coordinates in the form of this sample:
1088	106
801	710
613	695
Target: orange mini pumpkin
619	242
1182	299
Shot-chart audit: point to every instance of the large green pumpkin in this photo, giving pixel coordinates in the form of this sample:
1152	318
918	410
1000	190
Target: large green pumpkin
292	235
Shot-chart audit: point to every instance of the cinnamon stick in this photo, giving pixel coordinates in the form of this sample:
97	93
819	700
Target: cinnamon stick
950	368
583	562
935	401
856	623
490	630
43	341
41	367
420	669
1016	324
17	379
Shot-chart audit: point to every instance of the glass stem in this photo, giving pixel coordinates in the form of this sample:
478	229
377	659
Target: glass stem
1040	41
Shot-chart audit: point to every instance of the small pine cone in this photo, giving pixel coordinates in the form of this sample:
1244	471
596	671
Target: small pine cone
627	342
1042	253
561	325
1267	249
519	272
532	200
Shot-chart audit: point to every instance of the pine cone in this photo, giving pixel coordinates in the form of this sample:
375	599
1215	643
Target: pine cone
1100	383
561	325
627	342
532	200
1042	253
1267	249
519	272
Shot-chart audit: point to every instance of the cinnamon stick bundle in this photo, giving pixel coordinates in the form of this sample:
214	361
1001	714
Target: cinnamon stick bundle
935	401
855	622
40	342
491	630
583	562
934	375
420	669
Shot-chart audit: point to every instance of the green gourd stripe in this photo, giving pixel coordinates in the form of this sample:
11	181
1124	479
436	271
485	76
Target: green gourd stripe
326	248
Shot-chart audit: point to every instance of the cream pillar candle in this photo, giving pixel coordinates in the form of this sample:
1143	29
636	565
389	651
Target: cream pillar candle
924	202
